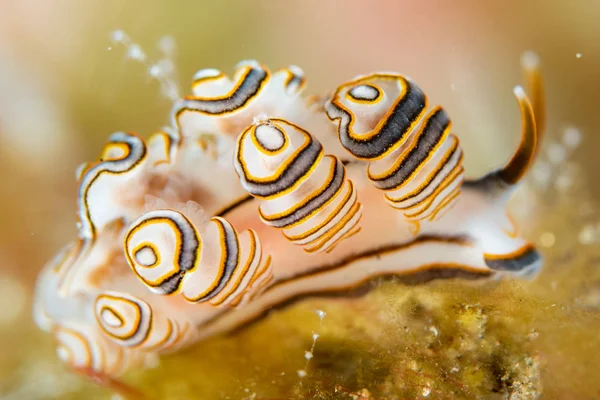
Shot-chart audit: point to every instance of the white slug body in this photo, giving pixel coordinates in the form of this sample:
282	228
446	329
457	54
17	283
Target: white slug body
257	197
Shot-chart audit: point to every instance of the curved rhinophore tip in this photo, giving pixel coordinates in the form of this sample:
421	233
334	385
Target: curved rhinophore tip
525	154
519	92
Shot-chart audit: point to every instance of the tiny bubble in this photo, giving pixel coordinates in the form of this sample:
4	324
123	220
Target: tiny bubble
155	71
578	55
452	86
542	173
109	48
135	52
308	355
167	44
118	36
321	314
315	335
301	373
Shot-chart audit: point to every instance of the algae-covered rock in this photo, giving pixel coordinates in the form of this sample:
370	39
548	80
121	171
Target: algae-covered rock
443	340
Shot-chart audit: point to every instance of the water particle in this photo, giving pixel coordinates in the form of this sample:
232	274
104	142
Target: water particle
118	36
315	336
542	173
135	52
426	391
578	55
321	314
587	235
155	71
547	239
301	373
167	45
571	137
308	355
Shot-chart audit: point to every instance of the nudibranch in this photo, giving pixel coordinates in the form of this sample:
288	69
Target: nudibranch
256	196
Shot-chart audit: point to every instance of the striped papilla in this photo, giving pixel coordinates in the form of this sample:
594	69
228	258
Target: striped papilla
169	255
303	192
413	158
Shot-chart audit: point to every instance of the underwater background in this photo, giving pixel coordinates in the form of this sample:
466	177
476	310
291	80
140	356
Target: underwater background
65	86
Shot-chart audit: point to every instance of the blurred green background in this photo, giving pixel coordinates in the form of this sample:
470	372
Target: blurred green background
65	87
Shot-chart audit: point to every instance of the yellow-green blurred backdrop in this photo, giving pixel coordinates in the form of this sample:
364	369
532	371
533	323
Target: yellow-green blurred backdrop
64	87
